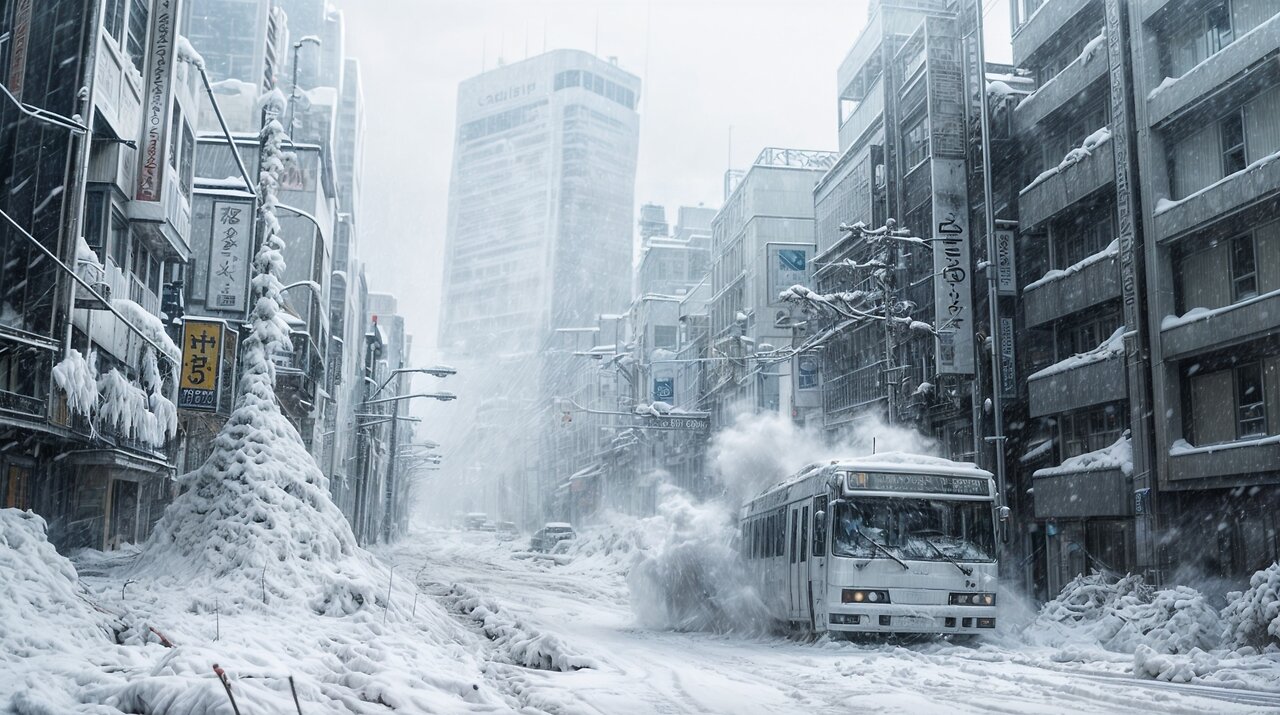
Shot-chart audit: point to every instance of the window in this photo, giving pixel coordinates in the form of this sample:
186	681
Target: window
119	241
819	526
794	529
665	336
779	531
136	44
175	134
915	142
153	275
95	221
1086	235
186	166
1201	36
1087	334
1091	430
804	534
113	22
1231	129
1251	406
1244	272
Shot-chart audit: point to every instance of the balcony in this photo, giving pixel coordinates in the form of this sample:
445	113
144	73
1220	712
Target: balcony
1199	330
1240	459
1085	384
1082	494
1069	84
1209	77
166	222
1255	183
864	117
1094	280
1043	200
1046	22
852	390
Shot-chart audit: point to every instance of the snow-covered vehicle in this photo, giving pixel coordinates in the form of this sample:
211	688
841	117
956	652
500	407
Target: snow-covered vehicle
507	530
880	544
475	521
551	536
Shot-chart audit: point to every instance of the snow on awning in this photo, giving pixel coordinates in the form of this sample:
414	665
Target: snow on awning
591	472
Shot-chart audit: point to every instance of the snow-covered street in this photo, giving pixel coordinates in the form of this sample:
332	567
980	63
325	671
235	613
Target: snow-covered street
583	604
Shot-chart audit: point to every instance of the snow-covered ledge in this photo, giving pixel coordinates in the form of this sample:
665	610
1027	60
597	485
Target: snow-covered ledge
1081	171
1089	378
1091	484
1223	461
1175	93
1092	280
1201	328
1247	186
1083	71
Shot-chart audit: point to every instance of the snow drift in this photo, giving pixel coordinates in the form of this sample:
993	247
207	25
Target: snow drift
1253	616
42	606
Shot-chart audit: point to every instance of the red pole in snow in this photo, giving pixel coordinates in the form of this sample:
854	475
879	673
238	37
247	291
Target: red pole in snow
226	684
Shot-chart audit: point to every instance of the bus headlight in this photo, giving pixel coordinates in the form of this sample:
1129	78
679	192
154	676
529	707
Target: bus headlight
860	595
973	599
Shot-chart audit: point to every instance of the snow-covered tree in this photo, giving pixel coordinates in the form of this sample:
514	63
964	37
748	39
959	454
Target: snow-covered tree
255	523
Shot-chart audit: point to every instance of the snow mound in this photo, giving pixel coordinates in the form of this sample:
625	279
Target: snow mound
256	524
690	577
520	642
1128	615
1252	617
42	606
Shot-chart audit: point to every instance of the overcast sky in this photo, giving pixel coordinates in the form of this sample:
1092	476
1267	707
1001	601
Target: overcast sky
766	68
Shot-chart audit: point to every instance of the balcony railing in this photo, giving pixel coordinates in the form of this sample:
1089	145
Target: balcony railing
853	390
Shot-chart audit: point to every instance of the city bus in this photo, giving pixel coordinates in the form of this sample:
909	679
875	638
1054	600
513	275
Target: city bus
888	543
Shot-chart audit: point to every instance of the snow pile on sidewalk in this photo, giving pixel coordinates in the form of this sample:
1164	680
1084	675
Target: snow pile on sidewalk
42	606
691	578
1253	616
1127	614
520	642
1174	634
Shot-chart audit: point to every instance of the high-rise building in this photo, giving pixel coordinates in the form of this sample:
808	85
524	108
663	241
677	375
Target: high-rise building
541	201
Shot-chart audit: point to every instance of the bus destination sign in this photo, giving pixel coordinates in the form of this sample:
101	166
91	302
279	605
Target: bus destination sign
919	483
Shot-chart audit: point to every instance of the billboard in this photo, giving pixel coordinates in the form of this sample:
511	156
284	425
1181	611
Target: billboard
201	361
230	244
155	102
952	290
788	265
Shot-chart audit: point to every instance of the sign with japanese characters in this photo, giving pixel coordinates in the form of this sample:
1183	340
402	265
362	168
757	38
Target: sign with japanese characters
1008	365
788	266
952	291
157	97
918	483
19	38
664	389
230	243
1005	268
201	358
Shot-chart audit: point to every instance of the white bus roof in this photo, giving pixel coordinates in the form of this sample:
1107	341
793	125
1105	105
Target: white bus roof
899	462
891	462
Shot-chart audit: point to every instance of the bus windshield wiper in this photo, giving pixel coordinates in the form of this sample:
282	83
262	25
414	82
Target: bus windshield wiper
964	570
887	552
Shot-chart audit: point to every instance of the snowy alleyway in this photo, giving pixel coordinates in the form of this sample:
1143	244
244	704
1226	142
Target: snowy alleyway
580	606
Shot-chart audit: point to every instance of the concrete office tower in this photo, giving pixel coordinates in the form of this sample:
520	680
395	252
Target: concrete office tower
541	202
229	35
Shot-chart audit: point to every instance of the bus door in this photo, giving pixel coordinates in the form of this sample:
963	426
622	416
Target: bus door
818	564
803	594
793	563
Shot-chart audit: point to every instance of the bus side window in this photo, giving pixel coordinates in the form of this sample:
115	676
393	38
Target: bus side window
819	526
804	534
780	545
795	526
759	542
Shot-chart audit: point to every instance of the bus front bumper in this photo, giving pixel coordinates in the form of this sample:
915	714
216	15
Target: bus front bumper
893	618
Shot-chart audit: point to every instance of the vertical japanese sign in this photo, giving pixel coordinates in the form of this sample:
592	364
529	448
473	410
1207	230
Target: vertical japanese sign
201	358
155	103
1008	362
18	48
1005	265
952	290
788	266
664	390
229	245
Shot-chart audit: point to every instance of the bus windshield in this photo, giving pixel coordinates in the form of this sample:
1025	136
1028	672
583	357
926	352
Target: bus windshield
918	529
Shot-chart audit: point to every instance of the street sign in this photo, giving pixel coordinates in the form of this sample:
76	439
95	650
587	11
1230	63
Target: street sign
664	389
201	358
681	423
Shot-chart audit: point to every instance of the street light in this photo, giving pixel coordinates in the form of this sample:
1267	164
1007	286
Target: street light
293	92
434	371
441	396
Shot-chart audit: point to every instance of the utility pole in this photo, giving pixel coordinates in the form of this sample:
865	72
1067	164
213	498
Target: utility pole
997	437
